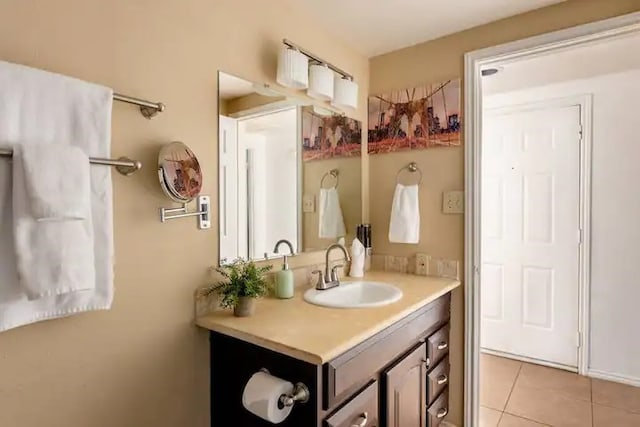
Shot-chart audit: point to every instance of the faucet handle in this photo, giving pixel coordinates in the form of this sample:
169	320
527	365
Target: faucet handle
320	282
334	272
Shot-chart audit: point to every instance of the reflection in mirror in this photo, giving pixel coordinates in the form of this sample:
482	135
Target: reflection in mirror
179	172
267	191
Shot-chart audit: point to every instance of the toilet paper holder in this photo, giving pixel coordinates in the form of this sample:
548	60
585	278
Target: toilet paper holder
300	393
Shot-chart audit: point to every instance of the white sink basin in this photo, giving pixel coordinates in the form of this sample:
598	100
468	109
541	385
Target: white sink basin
355	295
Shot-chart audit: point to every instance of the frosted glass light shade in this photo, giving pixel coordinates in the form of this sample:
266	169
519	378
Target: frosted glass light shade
345	93
293	69
320	82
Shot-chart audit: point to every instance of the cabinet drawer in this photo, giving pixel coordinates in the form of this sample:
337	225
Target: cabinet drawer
361	411
437	380
437	346
346	373
438	410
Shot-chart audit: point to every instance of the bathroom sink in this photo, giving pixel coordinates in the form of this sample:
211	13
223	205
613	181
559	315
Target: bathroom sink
355	295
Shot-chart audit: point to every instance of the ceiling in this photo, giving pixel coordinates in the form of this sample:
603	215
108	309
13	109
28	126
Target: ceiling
374	27
595	59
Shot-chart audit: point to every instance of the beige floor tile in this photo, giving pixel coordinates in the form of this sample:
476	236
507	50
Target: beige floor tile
497	377
571	385
604	416
489	417
509	420
548	407
621	396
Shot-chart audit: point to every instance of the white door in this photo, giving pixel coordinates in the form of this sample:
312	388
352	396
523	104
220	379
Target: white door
530	232
228	188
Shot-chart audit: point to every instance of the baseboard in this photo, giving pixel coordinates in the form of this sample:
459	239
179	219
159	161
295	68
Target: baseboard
617	378
529	360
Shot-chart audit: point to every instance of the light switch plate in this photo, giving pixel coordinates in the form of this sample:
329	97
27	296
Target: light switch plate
308	203
453	202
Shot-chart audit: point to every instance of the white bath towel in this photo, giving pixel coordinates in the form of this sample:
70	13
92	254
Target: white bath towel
404	226
331	221
52	225
57	181
38	107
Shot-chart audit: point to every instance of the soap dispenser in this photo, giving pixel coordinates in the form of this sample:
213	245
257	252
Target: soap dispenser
284	281
284	278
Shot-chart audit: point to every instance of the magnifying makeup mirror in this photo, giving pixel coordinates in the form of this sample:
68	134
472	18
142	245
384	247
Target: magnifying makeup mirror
179	172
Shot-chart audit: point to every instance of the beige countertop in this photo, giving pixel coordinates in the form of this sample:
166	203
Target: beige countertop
318	334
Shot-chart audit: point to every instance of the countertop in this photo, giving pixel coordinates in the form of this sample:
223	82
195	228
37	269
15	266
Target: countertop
318	334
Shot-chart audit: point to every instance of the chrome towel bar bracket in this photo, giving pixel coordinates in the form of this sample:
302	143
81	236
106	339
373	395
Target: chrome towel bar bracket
147	108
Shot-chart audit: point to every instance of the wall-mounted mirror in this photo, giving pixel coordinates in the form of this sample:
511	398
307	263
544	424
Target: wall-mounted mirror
287	170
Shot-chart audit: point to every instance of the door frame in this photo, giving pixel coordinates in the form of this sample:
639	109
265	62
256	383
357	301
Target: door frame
585	102
473	63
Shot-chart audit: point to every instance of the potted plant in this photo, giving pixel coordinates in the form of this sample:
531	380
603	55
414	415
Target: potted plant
243	283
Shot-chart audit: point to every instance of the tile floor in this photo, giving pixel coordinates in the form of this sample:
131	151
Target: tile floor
518	394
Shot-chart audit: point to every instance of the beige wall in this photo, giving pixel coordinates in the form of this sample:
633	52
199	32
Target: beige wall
143	363
248	102
443	235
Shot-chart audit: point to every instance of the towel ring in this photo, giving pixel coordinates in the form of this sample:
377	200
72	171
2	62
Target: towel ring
333	173
411	167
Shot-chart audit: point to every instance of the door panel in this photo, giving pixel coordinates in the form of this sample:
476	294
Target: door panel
405	390
530	229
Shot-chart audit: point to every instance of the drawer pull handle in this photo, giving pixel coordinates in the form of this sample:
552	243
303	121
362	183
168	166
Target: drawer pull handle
362	420
443	345
442	379
442	412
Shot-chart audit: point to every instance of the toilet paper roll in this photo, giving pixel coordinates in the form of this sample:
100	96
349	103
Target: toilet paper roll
261	395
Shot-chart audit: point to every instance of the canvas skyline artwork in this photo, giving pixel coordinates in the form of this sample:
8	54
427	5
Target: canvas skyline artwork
418	118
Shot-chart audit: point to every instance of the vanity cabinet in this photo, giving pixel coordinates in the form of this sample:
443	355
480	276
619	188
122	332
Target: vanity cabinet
396	378
405	390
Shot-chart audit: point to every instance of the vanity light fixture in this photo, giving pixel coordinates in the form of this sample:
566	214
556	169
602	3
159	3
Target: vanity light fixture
321	79
325	81
345	92
293	68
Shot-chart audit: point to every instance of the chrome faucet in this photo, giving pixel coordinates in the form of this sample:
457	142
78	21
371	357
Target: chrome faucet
330	278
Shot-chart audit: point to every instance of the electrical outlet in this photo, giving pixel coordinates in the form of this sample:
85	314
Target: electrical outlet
453	202
422	264
308	203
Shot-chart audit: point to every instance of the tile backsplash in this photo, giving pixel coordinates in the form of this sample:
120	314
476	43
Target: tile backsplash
420	264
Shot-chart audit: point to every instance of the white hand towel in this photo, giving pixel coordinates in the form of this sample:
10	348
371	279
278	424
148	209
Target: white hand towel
57	181
331	221
404	226
357	259
53	231
38	107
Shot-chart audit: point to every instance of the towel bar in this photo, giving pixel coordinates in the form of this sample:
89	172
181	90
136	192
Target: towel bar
124	165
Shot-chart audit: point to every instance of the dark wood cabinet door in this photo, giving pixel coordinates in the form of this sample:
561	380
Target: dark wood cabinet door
405	390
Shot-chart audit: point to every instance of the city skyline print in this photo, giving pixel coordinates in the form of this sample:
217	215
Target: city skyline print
414	119
329	136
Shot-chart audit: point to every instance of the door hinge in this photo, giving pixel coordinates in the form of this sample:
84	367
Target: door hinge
580	133
580	236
